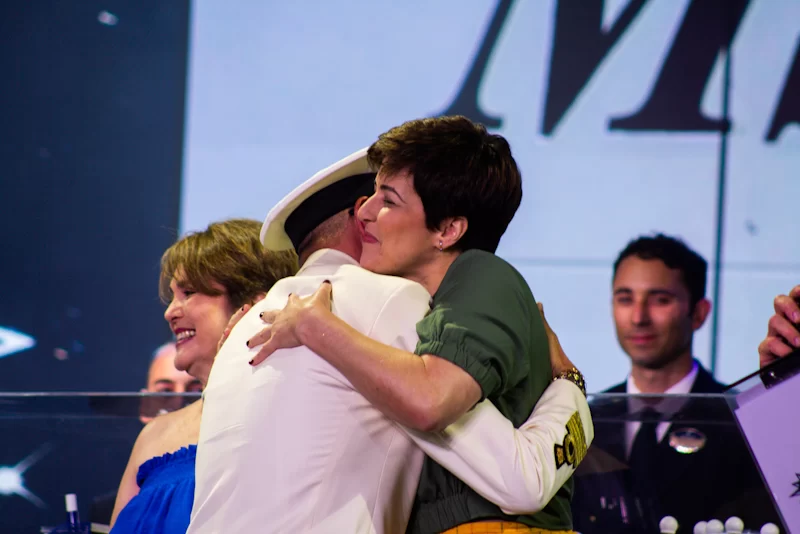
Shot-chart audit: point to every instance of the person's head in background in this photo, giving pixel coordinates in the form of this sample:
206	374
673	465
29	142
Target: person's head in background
659	302
206	276
164	377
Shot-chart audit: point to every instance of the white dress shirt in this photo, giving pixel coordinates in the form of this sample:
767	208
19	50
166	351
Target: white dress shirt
666	407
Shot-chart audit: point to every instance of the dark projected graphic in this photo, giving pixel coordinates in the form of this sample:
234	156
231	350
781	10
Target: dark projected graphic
91	148
91	151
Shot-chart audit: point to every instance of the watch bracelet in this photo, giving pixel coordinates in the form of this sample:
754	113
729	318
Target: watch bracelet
574	376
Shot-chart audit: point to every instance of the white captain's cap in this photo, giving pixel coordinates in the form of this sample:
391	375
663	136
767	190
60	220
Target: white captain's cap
325	194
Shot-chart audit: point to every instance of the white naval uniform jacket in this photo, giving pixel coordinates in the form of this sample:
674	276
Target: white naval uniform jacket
290	446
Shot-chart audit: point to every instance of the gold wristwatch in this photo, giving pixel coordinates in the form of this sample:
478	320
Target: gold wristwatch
574	376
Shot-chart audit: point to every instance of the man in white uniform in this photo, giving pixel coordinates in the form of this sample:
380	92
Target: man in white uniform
290	446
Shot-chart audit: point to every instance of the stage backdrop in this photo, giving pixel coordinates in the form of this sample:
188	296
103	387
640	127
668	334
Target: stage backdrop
90	150
127	121
615	111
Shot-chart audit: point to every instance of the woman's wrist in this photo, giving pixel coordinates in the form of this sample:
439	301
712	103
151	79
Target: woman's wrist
573	375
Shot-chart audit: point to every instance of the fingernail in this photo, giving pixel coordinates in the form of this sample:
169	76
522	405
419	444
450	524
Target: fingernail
247	343
797	342
251	361
796	317
326	281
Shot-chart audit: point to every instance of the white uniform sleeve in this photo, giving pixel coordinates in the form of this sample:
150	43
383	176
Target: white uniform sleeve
519	470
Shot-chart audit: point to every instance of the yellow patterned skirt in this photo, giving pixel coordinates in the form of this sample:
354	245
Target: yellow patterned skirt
501	527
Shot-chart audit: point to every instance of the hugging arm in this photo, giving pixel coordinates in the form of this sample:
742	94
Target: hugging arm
520	470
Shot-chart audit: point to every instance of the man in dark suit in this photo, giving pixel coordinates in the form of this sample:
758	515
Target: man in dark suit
664	456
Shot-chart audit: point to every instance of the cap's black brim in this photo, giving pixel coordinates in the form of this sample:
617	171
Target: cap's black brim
326	203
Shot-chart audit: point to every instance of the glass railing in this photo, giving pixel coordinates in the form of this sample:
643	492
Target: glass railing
59	443
700	468
695	468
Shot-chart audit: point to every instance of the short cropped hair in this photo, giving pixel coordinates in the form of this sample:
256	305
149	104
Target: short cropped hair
675	254
458	170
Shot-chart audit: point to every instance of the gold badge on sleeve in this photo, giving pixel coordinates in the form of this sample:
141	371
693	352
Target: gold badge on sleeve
573	449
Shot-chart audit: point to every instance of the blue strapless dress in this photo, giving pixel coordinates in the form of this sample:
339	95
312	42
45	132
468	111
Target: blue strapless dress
164	502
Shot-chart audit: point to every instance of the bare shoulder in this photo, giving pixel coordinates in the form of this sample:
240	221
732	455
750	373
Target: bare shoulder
168	433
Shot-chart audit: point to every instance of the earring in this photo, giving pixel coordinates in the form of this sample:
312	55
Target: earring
441	249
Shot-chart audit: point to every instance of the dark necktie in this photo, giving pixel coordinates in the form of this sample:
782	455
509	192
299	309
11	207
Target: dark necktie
645	443
643	466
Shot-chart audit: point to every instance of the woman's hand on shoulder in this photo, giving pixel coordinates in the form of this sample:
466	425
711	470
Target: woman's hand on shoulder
236	317
285	328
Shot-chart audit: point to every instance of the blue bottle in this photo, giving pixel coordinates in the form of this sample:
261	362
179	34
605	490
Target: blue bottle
73	524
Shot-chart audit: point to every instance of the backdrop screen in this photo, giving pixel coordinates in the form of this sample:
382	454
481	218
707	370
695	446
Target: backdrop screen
614	111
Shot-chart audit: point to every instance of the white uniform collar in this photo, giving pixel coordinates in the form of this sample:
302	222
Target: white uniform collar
324	257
